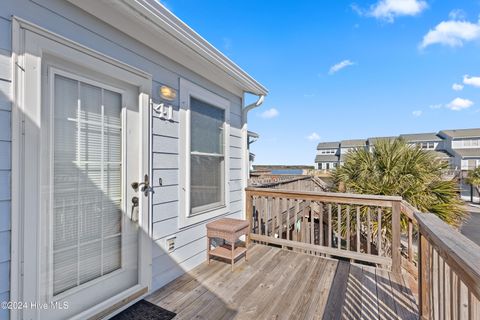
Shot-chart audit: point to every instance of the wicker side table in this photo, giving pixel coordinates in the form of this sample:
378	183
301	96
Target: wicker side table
230	230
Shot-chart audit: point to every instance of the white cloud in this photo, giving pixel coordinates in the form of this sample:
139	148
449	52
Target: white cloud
457	87
452	33
339	66
417	113
389	9
458	104
270	113
435	106
457	14
471	81
313	136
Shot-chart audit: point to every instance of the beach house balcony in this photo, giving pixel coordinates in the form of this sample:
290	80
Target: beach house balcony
315	254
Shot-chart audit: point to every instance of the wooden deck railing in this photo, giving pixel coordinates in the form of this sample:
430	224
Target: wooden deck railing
449	271
373	229
332	224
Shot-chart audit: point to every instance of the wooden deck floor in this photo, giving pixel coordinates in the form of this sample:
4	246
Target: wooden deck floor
281	284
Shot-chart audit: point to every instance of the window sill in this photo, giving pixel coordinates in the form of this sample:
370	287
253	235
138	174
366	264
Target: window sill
203	216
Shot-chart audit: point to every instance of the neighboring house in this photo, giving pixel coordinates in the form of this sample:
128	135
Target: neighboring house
464	144
460	148
349	145
328	155
122	132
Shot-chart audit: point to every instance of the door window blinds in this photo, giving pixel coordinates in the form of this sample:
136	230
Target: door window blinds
87	178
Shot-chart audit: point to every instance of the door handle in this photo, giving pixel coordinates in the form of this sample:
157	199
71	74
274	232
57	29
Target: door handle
143	186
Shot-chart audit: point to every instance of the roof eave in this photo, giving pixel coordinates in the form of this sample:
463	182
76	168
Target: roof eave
153	13
181	31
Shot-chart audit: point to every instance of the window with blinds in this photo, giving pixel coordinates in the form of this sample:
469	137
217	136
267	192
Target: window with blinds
207	156
87	176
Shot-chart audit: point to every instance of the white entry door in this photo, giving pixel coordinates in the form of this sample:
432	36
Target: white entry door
84	224
90	227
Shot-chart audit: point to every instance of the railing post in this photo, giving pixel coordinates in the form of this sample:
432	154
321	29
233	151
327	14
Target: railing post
396	247
248	214
423	278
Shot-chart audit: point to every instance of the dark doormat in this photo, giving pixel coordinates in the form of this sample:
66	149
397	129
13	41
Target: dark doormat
144	310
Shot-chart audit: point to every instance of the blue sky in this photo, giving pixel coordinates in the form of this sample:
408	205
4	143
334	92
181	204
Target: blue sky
347	69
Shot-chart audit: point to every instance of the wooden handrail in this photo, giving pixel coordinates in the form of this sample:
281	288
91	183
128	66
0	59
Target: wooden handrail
347	198
447	260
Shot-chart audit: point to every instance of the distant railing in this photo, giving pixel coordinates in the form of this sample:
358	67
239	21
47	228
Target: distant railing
449	271
330	224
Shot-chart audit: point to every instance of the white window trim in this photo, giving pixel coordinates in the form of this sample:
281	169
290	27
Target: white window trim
187	90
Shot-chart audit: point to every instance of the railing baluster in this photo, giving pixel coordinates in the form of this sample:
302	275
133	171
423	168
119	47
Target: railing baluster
369	232
396	245
257	213
267	213
448	292
320	224
330	225
289	205
248	214
304	226
297	209
348	228
424	277
279	221
379	231
358	229
312	224
283	210
410	240
339	226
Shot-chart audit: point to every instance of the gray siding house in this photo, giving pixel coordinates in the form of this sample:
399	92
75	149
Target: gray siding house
460	148
122	133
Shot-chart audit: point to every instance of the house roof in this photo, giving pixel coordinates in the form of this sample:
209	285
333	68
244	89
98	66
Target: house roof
416	137
462	133
151	23
468	152
328	145
353	143
373	140
326	158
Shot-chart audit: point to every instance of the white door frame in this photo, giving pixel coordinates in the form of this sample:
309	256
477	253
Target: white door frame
25	117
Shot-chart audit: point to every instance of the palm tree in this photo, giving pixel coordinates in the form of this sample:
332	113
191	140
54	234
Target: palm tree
473	178
395	168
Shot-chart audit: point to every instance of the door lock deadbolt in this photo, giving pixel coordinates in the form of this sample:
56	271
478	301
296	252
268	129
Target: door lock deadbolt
143	186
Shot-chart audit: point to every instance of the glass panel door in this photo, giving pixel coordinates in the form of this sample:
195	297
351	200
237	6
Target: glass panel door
86	183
